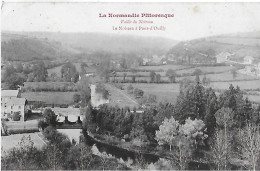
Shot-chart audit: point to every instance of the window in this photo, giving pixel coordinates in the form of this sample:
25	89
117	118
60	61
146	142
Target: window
19	107
11	107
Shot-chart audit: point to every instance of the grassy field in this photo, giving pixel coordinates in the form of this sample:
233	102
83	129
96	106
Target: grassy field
48	85
11	141
50	97
206	69
120	98
55	70
163	92
162	67
226	76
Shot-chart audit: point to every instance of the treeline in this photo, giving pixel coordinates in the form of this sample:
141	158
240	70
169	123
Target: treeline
205	125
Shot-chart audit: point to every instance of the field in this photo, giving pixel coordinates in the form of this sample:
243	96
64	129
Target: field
55	70
162	67
206	69
11	141
49	85
50	97
120	98
169	92
163	92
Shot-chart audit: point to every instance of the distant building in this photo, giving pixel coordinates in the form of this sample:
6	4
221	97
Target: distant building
248	60
223	57
12	102
9	106
146	61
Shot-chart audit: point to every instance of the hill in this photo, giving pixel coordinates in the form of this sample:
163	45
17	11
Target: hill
239	44
16	47
115	43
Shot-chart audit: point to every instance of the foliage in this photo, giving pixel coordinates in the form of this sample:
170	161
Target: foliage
130	89
183	138
49	117
40	72
171	74
76	98
69	73
83	87
249	146
138	92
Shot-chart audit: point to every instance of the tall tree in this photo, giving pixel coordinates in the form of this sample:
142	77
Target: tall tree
152	76
40	72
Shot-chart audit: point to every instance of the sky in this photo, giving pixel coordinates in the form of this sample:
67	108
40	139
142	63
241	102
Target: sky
191	20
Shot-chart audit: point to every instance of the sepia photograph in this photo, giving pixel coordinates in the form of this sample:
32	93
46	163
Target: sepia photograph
130	85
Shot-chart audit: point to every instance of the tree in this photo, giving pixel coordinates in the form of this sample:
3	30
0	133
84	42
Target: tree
40	72
171	75
69	73
250	146
138	92
183	138
80	157
83	87
57	148
167	132
53	76
124	76
152	76
234	73
197	71
13	81
76	98
49	117
133	79
19	68
220	149
24	156
158	78
89	120
130	89
30	77
205	81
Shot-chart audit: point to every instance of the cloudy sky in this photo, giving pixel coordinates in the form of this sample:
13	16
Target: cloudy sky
191	20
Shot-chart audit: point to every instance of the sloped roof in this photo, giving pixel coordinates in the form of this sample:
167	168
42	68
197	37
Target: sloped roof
9	93
14	101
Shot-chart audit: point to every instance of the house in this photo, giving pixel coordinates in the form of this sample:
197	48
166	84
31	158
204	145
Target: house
146	61
13	105
223	57
248	60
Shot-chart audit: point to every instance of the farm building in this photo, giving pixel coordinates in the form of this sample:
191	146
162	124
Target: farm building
13	108
10	94
223	57
248	60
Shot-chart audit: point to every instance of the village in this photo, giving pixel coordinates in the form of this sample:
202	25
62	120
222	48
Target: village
136	86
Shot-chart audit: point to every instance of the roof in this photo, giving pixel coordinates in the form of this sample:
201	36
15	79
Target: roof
14	101
9	93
